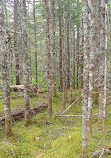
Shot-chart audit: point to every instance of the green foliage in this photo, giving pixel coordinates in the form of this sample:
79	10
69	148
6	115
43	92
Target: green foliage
53	133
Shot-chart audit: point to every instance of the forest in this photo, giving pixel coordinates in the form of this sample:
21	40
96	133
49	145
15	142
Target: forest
55	79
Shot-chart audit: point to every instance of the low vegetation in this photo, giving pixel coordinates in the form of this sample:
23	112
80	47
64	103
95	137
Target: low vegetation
58	137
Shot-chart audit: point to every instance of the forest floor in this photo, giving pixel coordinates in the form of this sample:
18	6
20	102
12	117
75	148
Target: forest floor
50	138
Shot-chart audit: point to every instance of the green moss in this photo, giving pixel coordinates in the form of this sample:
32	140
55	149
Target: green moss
53	133
7	149
63	147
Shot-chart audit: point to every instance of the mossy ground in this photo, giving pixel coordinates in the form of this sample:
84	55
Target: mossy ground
53	133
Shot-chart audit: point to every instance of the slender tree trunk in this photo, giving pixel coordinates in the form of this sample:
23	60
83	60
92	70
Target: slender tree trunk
82	54
4	70
35	42
109	68
71	63
10	60
52	43
79	75
74	59
96	98
68	53
77	55
30	60
80	64
16	37
102	61
62	52
71	54
29	48
104	11
49	70
91	65
78	50
85	97
60	56
99	61
25	62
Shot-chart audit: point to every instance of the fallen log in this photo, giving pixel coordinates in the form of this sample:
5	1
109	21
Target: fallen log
74	115
31	88
17	116
17	88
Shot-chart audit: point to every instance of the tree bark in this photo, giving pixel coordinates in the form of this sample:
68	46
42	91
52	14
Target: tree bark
35	42
104	12
25	63
52	43
49	68
77	56
98	6
62	53
29	48
4	72
71	56
60	56
82	54
68	53
91	65
85	97
16	37
74	57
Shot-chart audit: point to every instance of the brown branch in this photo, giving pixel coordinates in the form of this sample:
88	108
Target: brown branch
76	100
19	115
72	104
74	115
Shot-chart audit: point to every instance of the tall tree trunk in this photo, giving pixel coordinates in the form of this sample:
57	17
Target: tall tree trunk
20	41
85	97
9	47
78	49
10	61
82	54
68	53
4	70
60	56
74	57
62	52
80	71
52	43
71	56
104	15
91	65
25	62
102	61
98	6
71	63
35	42
29	48
16	37
77	56
49	69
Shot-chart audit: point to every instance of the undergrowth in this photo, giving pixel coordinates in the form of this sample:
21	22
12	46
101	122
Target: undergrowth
59	137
